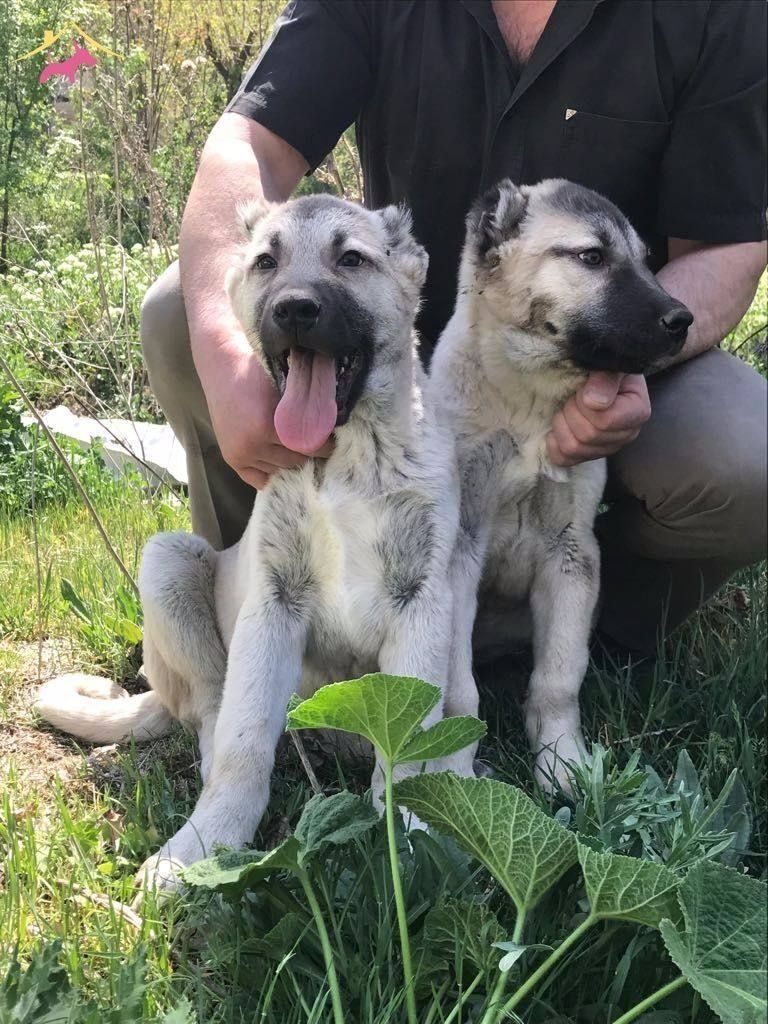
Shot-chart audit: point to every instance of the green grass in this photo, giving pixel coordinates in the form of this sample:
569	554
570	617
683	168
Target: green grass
66	845
74	826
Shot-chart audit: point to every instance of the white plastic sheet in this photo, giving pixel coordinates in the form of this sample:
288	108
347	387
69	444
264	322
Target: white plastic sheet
152	449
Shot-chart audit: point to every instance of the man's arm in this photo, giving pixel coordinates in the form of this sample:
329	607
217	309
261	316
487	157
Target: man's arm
241	160
717	283
308	84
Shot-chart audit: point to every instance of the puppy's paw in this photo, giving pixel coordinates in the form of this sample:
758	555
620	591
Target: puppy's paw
162	872
159	874
554	760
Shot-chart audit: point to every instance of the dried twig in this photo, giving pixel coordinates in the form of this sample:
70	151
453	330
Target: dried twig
128	914
303	757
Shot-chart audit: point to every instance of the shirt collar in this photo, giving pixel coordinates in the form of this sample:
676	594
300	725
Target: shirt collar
568	19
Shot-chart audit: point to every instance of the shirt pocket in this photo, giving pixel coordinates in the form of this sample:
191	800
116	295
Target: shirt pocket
620	158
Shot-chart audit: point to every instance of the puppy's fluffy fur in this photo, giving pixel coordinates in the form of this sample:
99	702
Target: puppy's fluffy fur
343	566
553	284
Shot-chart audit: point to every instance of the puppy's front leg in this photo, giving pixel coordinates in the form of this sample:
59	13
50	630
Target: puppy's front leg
263	670
461	696
563	598
418	644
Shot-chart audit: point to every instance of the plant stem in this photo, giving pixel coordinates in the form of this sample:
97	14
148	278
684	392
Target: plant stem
402	920
437	999
463	998
651	1000
549	963
493	1013
325	942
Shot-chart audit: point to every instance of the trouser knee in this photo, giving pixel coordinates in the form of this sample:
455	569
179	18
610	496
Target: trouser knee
164	330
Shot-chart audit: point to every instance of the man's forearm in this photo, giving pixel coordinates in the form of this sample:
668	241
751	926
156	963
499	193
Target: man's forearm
717	283
241	161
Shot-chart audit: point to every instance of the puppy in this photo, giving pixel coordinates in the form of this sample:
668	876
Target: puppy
553	284
343	568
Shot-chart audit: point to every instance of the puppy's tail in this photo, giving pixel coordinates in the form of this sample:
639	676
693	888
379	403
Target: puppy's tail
100	711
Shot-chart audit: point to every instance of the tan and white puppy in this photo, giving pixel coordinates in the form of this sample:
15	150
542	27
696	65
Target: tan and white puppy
343	568
553	283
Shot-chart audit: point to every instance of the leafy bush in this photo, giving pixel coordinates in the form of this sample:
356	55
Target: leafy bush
31	473
461	950
72	326
41	993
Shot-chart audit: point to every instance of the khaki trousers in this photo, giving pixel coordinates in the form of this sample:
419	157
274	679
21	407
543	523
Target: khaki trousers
687	499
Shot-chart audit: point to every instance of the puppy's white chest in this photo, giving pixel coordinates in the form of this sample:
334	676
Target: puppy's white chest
346	567
521	471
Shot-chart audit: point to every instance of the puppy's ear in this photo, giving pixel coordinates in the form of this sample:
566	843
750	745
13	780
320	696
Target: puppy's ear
251	212
496	217
410	257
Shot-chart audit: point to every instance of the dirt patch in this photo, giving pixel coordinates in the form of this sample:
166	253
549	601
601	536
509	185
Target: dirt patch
36	754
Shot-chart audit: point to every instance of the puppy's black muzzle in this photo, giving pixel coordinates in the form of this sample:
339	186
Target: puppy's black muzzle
296	314
676	323
636	326
323	319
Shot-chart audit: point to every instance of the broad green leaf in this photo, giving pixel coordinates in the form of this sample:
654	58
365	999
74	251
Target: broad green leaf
722	952
182	1013
525	850
661	1017
686	778
241	867
629	889
333	820
40	991
732	813
514	951
75	601
124	628
279	940
443	738
293	702
384	709
465	929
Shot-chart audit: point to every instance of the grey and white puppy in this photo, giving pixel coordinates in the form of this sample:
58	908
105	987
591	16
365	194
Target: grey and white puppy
553	283
343	568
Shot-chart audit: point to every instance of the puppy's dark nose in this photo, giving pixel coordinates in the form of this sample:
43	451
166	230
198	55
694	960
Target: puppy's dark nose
296	312
677	320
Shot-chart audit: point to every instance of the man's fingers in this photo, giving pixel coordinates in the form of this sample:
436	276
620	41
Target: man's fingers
257	478
284	458
565	449
571	453
630	408
600	390
586	431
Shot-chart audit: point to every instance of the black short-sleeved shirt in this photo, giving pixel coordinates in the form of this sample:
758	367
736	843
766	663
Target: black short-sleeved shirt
659	104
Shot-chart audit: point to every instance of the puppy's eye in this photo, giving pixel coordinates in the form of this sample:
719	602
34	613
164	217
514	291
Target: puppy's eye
265	262
592	257
351	258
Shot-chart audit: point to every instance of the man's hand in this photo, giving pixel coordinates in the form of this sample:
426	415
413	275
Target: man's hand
241	400
606	413
242	160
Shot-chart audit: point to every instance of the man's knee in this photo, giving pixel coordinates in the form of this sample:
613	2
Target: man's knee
698	469
730	513
164	331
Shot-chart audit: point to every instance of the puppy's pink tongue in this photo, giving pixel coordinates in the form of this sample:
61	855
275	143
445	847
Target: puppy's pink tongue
306	414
